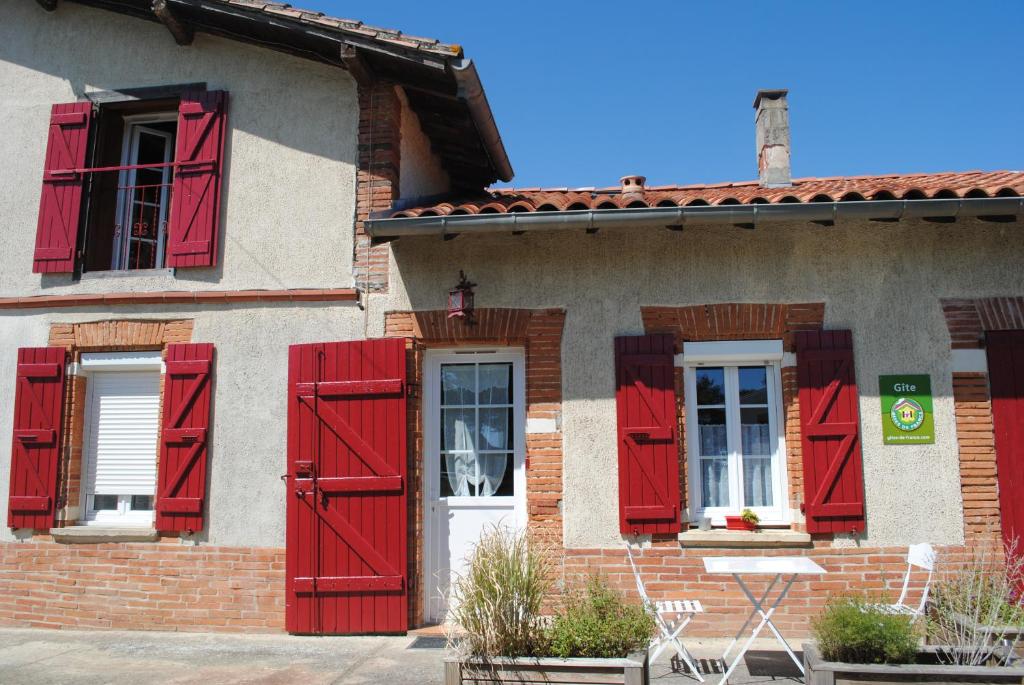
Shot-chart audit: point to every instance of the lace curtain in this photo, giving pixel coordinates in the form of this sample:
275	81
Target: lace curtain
757	465
463	468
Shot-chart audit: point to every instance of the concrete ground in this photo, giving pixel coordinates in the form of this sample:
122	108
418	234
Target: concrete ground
41	657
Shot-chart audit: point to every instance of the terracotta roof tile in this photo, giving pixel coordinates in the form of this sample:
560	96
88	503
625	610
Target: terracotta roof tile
389	36
829	189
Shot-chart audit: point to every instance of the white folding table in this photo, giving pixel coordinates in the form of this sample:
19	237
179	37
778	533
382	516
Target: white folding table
778	567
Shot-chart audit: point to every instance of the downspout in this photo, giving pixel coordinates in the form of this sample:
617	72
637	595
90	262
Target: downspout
744	216
472	92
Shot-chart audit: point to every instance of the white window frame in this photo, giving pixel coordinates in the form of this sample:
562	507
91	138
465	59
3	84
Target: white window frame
133	125
105	362
731	355
432	418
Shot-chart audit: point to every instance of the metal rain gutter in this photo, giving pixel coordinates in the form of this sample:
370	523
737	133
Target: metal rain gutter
472	92
745	216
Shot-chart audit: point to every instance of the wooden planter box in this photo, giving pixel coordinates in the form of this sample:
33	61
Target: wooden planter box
629	671
821	672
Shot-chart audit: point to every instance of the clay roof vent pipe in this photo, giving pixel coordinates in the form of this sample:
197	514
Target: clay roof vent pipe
633	185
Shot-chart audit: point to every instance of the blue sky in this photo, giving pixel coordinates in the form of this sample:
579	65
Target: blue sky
585	92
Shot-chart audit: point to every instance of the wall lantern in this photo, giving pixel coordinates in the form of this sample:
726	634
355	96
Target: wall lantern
460	300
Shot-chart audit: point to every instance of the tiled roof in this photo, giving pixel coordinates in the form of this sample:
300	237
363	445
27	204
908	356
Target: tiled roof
838	188
356	28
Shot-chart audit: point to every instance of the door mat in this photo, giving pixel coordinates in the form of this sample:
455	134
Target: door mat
762	663
428	642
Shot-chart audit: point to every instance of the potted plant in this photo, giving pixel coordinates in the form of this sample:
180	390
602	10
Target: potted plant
594	637
747	520
856	640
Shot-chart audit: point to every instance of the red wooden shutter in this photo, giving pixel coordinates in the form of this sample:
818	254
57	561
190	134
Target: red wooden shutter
38	419
195	194
347	543
645	399
61	203
181	478
829	427
1005	352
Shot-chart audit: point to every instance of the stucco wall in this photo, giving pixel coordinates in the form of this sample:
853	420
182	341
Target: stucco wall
883	281
288	203
421	173
246	498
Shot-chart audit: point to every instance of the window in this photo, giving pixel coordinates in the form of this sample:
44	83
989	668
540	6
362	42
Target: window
121	428
129	204
733	401
477	426
133	183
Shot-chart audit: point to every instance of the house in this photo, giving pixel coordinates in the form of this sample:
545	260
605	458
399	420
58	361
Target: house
238	401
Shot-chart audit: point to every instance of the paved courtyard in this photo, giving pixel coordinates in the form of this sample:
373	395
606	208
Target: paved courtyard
41	657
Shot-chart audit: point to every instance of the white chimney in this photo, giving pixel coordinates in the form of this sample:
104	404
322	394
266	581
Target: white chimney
772	124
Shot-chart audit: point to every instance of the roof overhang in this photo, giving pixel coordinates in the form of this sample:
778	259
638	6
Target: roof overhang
750	216
442	87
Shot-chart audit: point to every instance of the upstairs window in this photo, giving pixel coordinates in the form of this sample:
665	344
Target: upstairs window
132	185
129	203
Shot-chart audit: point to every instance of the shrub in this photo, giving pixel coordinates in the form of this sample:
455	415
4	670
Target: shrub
852	631
750	517
497	601
596	622
976	606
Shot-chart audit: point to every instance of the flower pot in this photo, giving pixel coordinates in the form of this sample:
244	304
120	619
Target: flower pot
737	523
821	672
632	669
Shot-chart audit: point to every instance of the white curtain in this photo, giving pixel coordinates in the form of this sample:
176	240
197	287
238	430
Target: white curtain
757	465
463	468
714	479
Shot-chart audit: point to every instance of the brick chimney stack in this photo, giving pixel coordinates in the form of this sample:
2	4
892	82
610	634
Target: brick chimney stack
772	124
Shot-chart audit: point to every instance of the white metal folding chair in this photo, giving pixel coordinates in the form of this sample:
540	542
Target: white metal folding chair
920	556
671	616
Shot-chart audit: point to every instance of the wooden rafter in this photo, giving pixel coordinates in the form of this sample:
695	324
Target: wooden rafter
182	32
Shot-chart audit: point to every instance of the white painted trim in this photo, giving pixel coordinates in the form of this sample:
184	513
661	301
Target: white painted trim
788	359
121	361
969	361
537	425
74	369
730	352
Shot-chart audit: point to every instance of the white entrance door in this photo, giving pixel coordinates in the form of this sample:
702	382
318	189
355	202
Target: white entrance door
474	452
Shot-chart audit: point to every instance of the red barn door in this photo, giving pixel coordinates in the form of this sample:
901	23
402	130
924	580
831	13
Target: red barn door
347	547
1006	377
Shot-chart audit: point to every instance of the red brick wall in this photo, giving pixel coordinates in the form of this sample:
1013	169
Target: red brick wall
976	439
671	572
141	586
380	139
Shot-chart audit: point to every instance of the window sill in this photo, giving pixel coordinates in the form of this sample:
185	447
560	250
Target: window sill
99	534
742	539
164	273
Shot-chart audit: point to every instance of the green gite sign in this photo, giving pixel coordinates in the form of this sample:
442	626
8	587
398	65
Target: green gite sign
907	410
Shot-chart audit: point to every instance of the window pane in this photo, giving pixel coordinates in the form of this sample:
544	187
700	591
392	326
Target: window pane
757	482
495	474
494	429
458	383
458	475
712	432
104	502
458	428
714	481
495	384
754	431
711	385
142	502
753	385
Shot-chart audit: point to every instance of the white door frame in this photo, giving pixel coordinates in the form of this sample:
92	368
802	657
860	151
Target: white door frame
431	412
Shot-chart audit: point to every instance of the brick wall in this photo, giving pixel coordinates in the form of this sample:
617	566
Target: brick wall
671	572
141	586
976	439
539	332
380	138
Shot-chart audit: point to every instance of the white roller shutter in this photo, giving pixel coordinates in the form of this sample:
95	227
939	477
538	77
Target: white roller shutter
124	416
